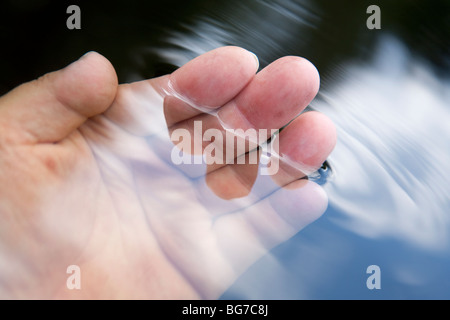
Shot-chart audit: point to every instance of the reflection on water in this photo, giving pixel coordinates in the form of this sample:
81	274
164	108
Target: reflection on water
392	118
392	115
388	188
388	93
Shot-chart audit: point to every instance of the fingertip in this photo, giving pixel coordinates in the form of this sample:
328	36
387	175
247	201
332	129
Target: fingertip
50	108
88	85
309	139
312	73
305	74
215	77
279	92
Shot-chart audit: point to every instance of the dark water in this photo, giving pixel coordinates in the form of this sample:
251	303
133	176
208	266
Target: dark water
387	90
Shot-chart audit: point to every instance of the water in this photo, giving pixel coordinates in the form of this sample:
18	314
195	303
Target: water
388	92
389	197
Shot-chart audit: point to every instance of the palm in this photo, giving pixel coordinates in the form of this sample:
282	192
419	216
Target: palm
136	224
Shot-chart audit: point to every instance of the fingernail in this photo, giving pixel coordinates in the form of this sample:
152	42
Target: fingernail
256	59
86	54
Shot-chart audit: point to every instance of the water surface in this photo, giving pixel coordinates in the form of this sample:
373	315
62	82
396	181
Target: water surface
388	91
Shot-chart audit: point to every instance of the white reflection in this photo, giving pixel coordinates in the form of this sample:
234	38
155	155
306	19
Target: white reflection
242	25
392	118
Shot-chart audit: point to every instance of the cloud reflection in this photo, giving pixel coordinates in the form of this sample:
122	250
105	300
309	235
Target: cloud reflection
392	117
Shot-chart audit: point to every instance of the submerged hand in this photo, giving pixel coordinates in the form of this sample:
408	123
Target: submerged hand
86	178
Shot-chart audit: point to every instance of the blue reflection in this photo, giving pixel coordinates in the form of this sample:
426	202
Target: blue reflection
389	195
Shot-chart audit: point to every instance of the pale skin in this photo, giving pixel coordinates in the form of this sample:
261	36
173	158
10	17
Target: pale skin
80	183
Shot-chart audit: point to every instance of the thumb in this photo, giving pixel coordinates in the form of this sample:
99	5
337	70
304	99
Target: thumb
50	108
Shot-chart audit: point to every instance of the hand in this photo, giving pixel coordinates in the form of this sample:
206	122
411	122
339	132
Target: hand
86	178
